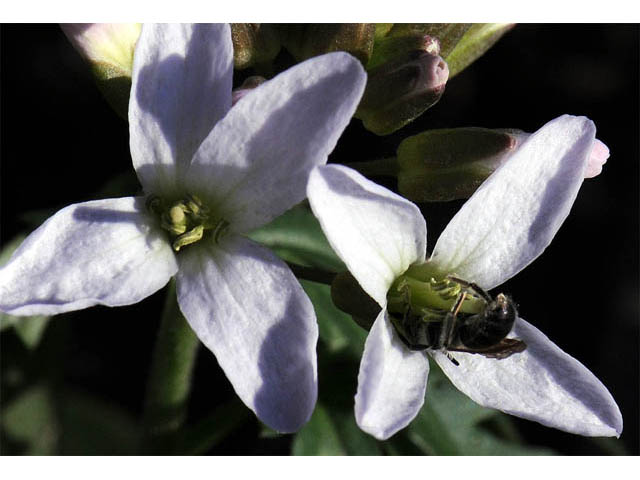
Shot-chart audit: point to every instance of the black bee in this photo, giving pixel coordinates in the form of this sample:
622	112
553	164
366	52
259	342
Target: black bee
483	333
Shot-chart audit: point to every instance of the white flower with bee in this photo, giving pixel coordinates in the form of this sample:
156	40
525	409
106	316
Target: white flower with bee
429	306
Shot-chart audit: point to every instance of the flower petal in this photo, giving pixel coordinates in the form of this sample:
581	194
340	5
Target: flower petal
105	252
375	232
261	153
543	384
181	86
599	156
516	212
246	306
391	383
105	43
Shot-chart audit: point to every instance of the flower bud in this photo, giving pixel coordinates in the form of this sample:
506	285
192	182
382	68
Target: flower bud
348	296
400	90
248	85
310	40
254	44
108	48
447	34
391	48
460	43
448	164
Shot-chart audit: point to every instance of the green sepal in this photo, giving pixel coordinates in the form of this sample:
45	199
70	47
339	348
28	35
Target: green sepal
448	34
448	164
115	85
309	40
475	42
391	48
400	90
254	44
349	297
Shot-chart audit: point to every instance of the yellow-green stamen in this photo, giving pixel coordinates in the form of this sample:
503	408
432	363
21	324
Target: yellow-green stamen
187	220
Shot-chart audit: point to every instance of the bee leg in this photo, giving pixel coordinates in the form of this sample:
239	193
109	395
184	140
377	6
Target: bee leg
473	286
451	359
449	322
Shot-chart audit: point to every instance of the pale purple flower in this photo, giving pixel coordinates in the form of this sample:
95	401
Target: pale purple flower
247	165
502	228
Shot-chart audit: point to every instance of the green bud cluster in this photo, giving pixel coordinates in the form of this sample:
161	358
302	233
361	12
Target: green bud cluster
186	220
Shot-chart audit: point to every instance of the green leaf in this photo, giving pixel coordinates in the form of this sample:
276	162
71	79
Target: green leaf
91	426
29	423
450	423
296	237
211	430
31	328
333	431
337	329
319	436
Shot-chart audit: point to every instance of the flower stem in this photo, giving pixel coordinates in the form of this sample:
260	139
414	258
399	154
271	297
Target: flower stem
312	274
385	167
169	379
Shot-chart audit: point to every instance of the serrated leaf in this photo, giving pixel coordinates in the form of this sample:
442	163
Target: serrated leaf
337	329
296	237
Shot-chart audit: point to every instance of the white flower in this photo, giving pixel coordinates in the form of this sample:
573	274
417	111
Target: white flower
204	166
503	227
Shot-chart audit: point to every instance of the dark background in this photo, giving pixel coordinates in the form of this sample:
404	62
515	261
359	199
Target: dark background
61	142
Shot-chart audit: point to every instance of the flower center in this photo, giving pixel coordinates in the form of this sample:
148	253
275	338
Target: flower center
430	299
187	220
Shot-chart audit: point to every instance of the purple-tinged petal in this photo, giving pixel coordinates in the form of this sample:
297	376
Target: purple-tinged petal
246	306
599	156
391	383
517	211
104	252
255	164
181	87
543	384
375	232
